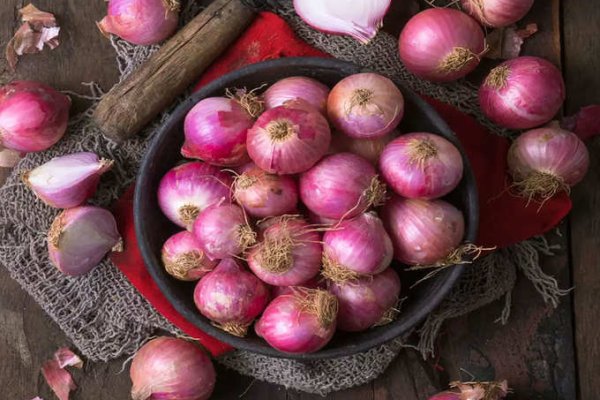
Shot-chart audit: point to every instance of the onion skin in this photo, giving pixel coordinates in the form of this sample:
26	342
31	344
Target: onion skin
363	302
215	132
262	194
289	253
186	190
171	369
342	185
432	37
522	93
365	106
446	396
303	322
314	283
67	181
184	259
80	237
33	116
231	297
297	88
369	149
497	13
360	245
223	231
141	22
421	166
286	140
423	232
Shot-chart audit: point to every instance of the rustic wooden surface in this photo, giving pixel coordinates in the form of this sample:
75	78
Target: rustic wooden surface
535	351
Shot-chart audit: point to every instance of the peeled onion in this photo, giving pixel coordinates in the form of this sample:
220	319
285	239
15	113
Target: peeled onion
184	259
297	88
497	13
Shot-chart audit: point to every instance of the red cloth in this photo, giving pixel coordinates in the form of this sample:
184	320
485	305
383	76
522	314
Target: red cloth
505	218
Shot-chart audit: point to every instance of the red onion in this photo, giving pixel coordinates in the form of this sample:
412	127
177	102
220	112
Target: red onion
59	379
265	195
188	189
360	20
215	131
369	149
421	165
289	254
314	283
302	322
365	106
474	391
231	297
223	231
80	237
441	44
547	160
522	93
286	140
423	232
366	302
141	22
184	259
33	116
359	246
320	220
497	13
297	88
169	368
340	186
67	181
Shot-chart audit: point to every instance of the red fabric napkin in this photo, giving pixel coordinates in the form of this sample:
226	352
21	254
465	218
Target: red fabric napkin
505	218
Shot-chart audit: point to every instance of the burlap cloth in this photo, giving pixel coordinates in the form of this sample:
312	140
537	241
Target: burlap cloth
106	317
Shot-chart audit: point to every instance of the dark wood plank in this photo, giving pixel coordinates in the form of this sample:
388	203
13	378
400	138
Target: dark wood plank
581	63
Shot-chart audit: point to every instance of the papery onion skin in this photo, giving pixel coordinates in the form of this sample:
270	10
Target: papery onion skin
286	140
186	190
556	153
365	105
369	149
361	21
171	369
421	165
141	22
184	258
360	245
363	302
303	322
423	231
33	116
522	93
262	194
497	13
289	253
231	297
441	44
67	181
223	231
342	185
215	131
314	283
80	237
297	88
446	396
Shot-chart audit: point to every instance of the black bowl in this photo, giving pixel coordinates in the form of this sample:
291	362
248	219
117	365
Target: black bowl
152	228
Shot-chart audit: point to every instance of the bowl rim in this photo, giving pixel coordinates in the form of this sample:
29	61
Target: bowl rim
152	263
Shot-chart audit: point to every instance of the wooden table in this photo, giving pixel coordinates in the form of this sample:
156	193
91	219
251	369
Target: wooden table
545	353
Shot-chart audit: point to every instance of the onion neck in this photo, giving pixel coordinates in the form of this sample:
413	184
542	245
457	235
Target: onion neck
244	181
188	214
280	130
498	77
276	254
421	150
458	58
180	267
336	272
246	236
234	328
390	315
320	303
541	185
172	5
56	230
478	9
375	193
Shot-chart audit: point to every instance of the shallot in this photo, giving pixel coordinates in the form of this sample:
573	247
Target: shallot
421	165
184	258
231	297
186	190
288	140
441	44
80	237
547	160
497	13
141	22
365	106
170	368
33	116
297	88
522	93
302	322
67	181
341	186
